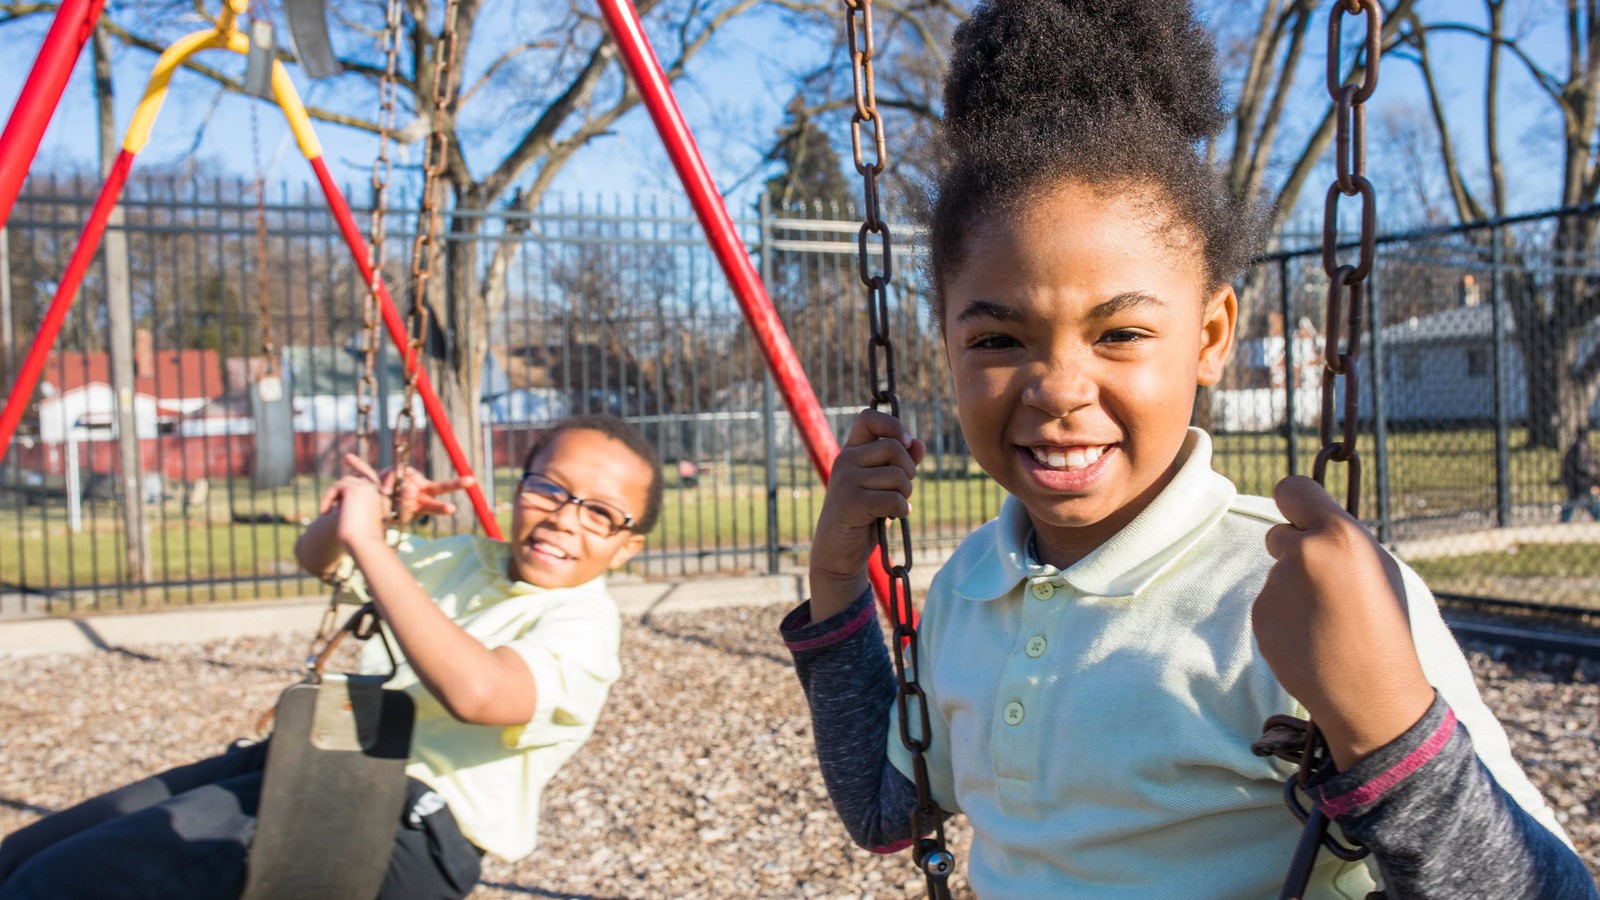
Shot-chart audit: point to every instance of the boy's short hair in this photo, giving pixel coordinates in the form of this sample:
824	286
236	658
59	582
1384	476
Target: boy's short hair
625	434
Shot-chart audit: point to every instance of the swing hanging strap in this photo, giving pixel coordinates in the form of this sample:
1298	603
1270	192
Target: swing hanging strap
932	856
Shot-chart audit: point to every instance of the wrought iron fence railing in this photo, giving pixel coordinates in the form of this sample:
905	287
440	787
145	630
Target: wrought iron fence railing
617	306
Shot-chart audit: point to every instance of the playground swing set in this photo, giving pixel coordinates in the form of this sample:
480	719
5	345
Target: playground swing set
334	781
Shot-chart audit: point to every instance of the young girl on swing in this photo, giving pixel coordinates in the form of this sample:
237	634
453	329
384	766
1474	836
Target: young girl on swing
1098	659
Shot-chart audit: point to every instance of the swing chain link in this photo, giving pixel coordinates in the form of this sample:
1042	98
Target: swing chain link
270	367
1286	736
367	386
436	158
931	854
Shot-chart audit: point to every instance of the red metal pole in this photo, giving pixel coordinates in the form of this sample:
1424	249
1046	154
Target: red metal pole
66	292
397	332
645	70
41	94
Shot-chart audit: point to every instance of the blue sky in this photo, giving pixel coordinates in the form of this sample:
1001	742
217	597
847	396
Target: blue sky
733	101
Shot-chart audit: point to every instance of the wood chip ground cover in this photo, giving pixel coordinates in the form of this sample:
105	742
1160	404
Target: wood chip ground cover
699	783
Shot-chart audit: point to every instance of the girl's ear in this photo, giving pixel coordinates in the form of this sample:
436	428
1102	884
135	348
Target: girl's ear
627	551
1216	335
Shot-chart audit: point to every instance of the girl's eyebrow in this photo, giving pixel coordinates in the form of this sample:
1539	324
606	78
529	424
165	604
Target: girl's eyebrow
1124	301
989	309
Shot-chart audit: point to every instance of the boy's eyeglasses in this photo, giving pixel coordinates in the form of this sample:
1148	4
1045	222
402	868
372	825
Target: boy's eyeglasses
597	516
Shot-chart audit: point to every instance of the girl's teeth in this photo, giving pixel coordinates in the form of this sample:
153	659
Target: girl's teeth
1075	458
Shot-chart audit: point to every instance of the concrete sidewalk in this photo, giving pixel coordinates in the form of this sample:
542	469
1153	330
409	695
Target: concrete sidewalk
82	634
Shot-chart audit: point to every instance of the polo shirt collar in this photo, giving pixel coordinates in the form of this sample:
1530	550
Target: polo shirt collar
1123	566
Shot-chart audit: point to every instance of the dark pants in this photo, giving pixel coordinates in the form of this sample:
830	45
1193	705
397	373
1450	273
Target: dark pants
1586	500
186	834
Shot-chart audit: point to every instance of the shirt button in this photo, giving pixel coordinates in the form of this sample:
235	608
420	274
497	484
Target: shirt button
1036	645
1013	713
1043	590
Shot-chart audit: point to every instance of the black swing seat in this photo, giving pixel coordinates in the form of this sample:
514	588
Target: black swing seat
332	791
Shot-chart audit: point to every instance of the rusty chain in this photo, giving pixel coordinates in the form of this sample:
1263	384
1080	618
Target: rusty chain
270	367
931	855
367	386
435	160
1295	739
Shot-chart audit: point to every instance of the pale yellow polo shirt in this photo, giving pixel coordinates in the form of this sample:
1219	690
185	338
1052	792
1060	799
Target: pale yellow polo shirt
493	777
1095	724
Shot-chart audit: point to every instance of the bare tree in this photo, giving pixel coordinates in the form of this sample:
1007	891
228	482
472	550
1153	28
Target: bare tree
1551	302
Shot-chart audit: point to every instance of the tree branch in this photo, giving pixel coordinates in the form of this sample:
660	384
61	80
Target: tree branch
1548	82
1467	207
232	84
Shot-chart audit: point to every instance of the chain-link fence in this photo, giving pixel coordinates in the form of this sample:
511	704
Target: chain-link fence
617	306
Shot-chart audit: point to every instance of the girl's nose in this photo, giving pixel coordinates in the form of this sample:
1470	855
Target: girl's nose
1058	388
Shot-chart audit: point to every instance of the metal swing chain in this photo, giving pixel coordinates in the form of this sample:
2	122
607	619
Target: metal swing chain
270	367
435	159
1347	298
367	386
931	855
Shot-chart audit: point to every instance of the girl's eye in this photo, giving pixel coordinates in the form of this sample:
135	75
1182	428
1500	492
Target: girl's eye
1122	336
993	342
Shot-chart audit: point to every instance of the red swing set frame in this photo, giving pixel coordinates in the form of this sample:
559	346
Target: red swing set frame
41	94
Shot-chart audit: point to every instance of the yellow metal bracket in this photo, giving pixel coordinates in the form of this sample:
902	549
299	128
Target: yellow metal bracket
225	36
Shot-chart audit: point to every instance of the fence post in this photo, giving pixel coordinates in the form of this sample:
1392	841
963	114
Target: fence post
1380	422
1289	329
1502	425
768	421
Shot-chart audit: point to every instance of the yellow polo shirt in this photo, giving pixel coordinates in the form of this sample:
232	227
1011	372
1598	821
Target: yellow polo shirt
493	777
1094	724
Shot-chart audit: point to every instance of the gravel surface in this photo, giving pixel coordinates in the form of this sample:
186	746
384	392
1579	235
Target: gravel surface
699	782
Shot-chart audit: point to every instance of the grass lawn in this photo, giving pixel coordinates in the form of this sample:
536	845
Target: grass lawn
1521	560
723	518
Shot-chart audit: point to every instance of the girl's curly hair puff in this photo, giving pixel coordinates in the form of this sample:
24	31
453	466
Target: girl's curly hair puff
1101	91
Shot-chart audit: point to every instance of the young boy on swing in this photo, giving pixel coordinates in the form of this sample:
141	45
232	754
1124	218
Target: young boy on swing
1098	660
508	650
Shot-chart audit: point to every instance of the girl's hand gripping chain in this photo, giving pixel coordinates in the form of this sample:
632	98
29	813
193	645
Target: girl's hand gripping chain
871	479
1331	622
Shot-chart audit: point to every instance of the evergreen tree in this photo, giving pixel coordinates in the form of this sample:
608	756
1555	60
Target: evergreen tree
811	173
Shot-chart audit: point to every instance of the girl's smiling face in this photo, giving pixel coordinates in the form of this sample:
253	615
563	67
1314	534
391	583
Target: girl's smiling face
1078	327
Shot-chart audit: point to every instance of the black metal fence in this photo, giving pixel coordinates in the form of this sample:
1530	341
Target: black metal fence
612	305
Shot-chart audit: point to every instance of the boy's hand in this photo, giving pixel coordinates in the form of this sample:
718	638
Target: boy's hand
419	495
1331	622
361	505
871	479
364	498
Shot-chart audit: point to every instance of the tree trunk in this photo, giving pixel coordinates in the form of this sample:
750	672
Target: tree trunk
1548	336
465	347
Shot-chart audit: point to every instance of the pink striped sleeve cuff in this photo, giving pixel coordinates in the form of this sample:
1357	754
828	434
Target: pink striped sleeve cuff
836	635
1377	787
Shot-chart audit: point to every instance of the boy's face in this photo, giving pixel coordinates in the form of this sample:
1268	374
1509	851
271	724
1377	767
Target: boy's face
554	548
1077	330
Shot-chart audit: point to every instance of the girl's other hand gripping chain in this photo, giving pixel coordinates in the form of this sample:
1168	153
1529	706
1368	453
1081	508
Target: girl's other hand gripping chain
1331	622
872	479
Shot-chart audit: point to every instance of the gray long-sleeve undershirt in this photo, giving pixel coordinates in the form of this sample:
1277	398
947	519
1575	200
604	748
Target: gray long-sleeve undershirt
1435	820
